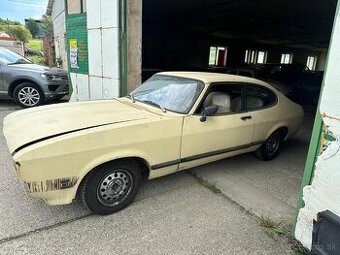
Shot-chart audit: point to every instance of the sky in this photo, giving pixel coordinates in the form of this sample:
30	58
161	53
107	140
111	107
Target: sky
19	10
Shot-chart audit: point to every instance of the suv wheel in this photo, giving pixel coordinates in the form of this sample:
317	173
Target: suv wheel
28	94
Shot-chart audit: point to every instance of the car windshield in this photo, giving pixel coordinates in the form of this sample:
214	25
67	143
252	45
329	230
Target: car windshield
11	58
168	92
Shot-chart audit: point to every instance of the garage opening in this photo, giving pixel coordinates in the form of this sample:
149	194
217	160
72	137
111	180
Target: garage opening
285	42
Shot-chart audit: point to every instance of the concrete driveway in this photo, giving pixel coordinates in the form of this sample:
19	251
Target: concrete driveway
269	189
171	215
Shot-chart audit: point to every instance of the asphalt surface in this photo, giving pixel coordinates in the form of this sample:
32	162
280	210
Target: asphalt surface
171	215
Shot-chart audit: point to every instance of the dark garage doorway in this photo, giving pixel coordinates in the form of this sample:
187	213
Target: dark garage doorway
224	35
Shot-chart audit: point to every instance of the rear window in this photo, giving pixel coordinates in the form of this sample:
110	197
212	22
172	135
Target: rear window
259	97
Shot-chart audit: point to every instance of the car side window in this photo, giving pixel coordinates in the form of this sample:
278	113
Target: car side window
259	97
227	97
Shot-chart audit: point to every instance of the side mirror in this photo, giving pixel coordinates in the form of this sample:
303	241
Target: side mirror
208	111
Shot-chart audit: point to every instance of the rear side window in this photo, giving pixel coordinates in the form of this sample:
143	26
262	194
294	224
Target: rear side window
259	97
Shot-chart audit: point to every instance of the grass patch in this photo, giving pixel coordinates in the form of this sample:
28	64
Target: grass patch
37	59
35	44
300	250
209	185
271	227
274	229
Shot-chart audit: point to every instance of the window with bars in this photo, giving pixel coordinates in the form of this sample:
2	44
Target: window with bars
311	62
255	56
286	58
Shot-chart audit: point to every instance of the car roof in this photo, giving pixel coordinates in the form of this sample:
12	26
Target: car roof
215	77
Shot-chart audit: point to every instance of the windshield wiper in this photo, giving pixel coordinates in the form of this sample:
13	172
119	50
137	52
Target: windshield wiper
153	103
132	98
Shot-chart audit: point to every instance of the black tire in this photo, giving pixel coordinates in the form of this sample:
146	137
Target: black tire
270	149
122	177
28	94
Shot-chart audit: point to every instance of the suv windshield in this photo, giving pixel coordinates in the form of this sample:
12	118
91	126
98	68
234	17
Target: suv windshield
168	92
11	58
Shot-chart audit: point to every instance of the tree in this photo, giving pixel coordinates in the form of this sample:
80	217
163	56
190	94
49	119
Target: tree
47	24
19	32
15	29
32	27
8	22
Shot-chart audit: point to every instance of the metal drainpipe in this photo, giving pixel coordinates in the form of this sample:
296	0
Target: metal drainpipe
123	54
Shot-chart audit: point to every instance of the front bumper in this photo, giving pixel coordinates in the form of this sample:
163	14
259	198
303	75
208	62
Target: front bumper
55	89
53	192
57	191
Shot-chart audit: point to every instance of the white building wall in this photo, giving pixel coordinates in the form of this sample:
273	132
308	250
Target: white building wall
103	43
103	79
59	25
324	192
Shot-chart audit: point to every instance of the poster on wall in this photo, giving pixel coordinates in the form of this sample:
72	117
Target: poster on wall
74	53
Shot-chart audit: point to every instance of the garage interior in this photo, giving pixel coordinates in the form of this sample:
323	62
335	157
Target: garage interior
200	35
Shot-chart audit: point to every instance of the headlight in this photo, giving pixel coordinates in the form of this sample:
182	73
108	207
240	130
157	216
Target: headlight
50	77
44	76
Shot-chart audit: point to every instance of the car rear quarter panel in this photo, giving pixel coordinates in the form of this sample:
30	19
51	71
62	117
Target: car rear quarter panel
284	114
74	155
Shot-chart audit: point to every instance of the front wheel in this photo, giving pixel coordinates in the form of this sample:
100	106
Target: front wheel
27	94
270	149
112	187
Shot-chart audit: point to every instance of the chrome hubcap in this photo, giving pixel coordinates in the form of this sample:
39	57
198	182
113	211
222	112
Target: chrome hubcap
29	96
115	187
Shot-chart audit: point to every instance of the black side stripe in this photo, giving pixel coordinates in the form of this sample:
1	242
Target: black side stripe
204	155
60	134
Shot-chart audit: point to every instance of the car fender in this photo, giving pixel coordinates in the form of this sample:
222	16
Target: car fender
16	80
281	124
109	157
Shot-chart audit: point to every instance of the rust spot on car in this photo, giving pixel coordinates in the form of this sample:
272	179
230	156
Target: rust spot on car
51	185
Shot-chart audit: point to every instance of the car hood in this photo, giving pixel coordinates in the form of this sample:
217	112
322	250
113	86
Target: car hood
30	67
38	68
26	127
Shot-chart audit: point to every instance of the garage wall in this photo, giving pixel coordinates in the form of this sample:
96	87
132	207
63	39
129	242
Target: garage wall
103	43
95	32
185	52
76	30
324	192
134	43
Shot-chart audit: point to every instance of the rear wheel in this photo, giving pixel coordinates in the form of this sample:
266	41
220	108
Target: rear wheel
28	94
270	149
112	187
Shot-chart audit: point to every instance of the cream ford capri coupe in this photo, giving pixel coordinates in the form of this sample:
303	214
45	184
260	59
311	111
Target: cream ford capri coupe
101	150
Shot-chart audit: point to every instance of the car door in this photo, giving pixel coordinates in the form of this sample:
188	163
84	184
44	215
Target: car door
261	102
226	132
